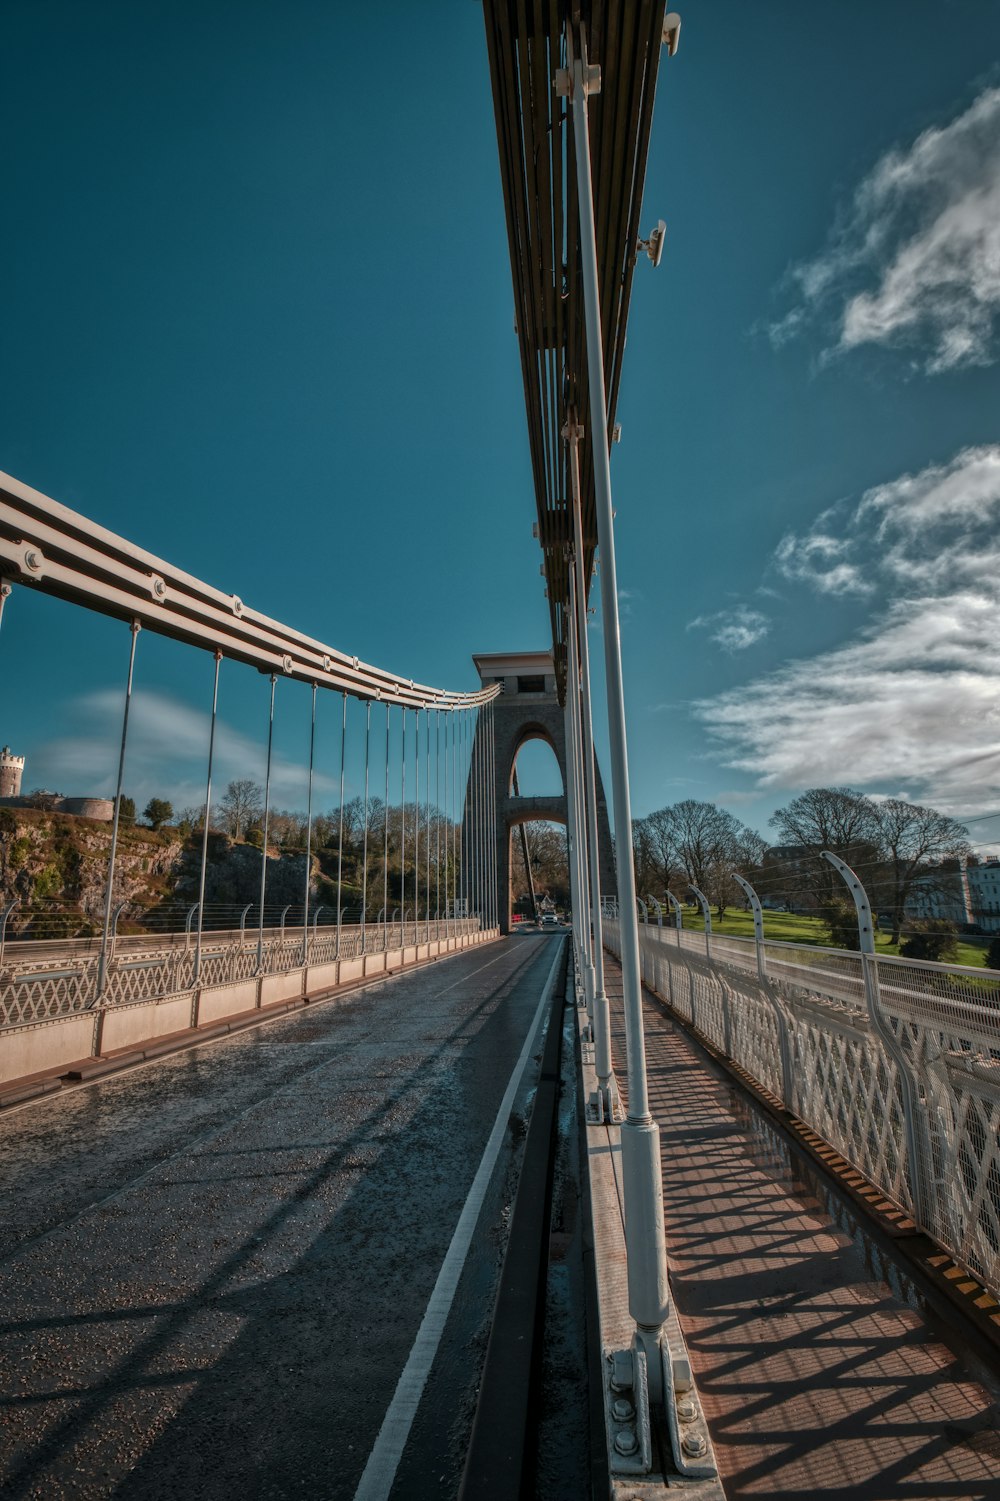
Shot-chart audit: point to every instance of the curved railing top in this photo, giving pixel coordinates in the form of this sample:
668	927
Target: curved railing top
49	547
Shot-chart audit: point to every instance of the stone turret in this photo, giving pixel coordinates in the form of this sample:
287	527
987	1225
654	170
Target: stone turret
11	772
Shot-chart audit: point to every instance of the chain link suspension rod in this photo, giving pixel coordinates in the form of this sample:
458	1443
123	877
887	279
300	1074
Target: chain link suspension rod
309	815
364	846
340	838
437	820
573	802
645	1238
5	592
206	819
102	966
267	823
606	1082
583	859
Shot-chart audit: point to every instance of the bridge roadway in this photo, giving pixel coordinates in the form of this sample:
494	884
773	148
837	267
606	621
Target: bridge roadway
216	1266
823	1369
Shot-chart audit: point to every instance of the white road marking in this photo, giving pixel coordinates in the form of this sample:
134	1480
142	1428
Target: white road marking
383	1461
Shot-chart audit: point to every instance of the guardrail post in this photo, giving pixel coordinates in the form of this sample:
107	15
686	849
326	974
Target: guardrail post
707	915
784	1044
187	924
866	939
316	915
678	915
5	916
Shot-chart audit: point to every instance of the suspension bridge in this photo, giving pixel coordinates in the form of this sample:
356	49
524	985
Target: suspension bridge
367	1193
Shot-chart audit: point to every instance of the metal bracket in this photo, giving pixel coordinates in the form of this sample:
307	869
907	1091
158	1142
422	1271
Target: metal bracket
626	1412
689	1436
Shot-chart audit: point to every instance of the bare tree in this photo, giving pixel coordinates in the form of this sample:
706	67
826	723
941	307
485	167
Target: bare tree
911	840
697	843
824	818
241	803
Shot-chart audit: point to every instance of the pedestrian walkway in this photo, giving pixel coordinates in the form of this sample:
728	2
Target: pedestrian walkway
821	1371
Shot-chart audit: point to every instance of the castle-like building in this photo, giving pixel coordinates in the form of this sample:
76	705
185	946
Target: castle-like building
11	772
11	775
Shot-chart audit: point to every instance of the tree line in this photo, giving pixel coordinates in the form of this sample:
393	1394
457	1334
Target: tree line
892	844
361	838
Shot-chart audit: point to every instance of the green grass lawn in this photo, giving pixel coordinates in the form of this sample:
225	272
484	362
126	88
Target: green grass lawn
784	927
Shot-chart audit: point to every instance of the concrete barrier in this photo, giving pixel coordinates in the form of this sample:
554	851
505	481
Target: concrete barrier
284	987
130	1026
53	1045
221	1001
46	1045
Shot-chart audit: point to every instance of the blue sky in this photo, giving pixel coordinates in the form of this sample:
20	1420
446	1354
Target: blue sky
257	316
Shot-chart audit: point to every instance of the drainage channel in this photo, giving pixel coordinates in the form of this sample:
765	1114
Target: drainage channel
531	1435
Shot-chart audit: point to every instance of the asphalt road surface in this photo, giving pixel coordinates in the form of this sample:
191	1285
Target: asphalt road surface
217	1267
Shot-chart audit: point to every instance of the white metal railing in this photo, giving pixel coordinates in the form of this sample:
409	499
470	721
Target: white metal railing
894	1062
36	988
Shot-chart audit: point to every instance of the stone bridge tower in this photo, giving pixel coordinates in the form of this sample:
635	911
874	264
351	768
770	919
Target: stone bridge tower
528	709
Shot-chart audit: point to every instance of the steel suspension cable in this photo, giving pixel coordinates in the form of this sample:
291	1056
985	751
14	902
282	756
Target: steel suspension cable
340	839
364	848
494	832
309	805
416	824
207	817
455	727
402	845
102	967
267	820
385	850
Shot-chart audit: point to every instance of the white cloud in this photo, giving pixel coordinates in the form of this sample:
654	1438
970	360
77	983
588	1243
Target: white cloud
913	701
733	630
167	754
915	258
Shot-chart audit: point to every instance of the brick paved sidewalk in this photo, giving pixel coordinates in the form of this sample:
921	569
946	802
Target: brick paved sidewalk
821	1372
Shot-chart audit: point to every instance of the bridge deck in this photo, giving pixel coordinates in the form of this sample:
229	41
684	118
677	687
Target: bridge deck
821	1370
215	1267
